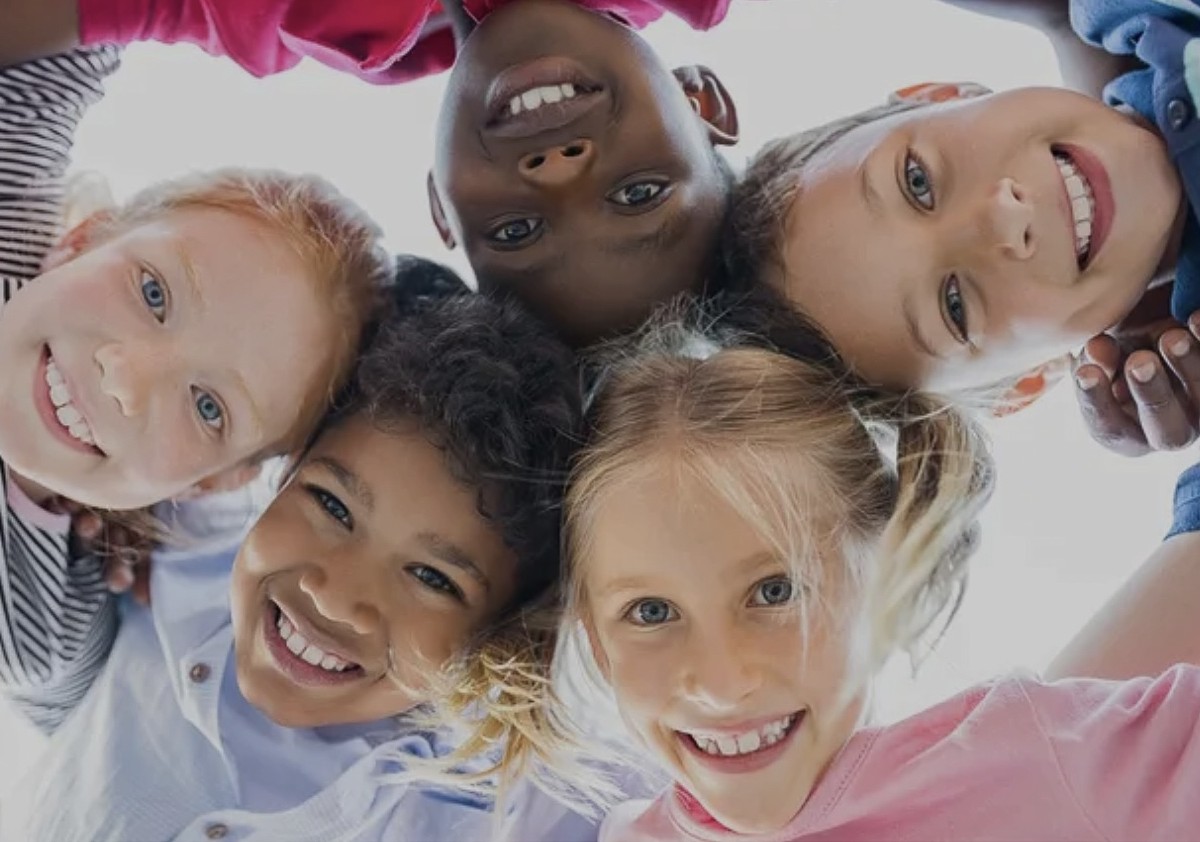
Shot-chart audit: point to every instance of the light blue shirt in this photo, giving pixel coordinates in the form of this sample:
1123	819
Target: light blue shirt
164	746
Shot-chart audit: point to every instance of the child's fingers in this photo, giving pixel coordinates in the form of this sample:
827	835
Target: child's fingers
87	525
118	576
1106	420
1166	422
1104	351
1182	354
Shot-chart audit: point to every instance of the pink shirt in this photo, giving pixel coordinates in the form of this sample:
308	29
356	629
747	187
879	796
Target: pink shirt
381	41
1017	759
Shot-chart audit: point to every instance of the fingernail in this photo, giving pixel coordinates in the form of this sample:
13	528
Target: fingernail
1142	373
1179	347
1086	380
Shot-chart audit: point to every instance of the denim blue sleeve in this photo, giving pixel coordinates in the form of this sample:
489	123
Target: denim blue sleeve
1187	502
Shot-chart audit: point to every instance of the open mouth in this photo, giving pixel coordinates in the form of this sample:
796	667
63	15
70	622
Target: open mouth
303	660
61	413
1088	193
745	750
540	96
1082	199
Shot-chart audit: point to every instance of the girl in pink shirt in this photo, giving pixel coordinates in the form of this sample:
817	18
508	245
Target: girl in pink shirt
750	536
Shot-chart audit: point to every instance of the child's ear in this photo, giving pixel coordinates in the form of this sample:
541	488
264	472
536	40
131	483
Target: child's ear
933	92
438	214
227	480
76	241
1032	385
711	101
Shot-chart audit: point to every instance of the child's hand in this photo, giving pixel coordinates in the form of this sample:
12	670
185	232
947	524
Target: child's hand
1137	401
126	554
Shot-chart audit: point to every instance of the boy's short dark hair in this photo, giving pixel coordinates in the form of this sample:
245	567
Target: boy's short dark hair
490	386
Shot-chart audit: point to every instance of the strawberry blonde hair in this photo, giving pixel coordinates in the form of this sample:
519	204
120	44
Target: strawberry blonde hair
335	239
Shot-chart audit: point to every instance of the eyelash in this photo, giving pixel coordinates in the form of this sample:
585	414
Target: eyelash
792	594
435	580
658	195
328	503
952	289
914	164
630	613
145	279
534	225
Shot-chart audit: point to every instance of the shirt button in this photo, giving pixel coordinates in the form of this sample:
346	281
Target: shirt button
199	673
1178	114
216	831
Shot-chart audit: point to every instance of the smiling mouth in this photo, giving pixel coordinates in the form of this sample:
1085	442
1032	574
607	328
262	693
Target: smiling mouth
68	417
1082	198
747	743
301	659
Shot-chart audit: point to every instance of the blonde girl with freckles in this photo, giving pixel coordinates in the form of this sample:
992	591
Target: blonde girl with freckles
156	349
751	534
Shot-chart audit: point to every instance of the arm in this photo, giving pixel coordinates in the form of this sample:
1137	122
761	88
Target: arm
57	620
1083	67
35	28
1152	622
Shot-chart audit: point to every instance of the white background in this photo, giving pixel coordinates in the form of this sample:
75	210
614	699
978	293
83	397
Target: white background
1068	523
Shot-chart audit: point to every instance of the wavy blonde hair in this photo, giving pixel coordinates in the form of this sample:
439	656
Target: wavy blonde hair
775	425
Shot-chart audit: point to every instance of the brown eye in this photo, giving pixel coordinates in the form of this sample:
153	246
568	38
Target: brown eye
515	232
637	194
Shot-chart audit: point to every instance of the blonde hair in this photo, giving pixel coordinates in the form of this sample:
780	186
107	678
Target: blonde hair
338	243
804	452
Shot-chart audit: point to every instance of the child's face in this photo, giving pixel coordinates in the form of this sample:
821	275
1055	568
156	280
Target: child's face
693	622
161	357
593	207
947	247
375	564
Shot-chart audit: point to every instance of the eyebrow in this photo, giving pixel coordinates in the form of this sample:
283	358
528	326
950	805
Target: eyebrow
254	412
668	234
191	276
453	555
870	194
349	480
914	330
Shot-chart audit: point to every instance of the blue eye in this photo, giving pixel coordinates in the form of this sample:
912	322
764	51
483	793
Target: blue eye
515	231
434	579
777	591
155	296
955	309
650	612
917	182
637	194
332	506
209	409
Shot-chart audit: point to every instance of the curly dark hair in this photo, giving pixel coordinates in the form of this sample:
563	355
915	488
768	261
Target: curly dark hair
491	387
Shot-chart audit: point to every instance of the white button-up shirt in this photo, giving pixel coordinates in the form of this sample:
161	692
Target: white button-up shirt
164	746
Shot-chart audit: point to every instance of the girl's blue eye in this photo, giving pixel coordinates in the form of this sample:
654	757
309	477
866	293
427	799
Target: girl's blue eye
917	182
777	591
650	612
515	231
637	194
333	507
155	295
434	579
955	309
209	409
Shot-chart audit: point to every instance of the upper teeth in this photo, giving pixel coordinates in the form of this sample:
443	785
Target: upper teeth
64	410
537	97
1083	204
732	745
304	650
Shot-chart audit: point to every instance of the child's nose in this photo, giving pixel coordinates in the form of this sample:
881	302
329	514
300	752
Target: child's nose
126	375
1008	220
338	602
557	166
721	673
